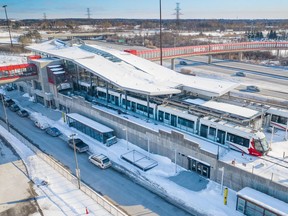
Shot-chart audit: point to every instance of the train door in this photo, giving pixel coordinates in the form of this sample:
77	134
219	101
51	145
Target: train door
221	136
174	120
133	107
203	130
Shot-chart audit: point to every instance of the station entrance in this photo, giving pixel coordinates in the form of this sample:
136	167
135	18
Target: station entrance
199	167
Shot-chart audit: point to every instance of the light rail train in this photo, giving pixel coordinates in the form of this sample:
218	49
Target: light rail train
217	130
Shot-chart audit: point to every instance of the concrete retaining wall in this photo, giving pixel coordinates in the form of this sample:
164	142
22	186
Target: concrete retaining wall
165	142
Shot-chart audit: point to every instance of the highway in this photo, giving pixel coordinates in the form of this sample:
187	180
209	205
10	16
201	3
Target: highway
272	81
133	198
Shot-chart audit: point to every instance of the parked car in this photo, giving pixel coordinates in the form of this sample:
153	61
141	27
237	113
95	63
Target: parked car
14	107
100	160
253	88
23	113
80	146
240	74
53	131
8	102
41	125
183	63
9	88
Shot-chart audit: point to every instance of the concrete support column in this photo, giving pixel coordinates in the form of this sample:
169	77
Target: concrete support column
278	54
126	100
209	59
148	106
173	64
240	56
77	75
107	98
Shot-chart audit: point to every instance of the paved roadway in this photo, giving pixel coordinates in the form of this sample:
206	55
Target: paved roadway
272	81
133	198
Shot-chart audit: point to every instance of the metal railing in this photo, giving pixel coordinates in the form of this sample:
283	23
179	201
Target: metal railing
169	53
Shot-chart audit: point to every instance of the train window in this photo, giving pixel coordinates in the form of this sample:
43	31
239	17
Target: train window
221	136
185	122
167	116
174	120
237	140
204	131
160	116
212	131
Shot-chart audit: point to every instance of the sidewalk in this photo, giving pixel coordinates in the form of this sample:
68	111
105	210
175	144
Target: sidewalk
46	191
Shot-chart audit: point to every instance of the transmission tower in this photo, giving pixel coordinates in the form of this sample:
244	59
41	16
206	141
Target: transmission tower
44	16
177	9
88	13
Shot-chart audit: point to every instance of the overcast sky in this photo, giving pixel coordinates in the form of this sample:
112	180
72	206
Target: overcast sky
147	9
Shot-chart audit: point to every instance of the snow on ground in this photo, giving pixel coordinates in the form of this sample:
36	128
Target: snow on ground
265	166
12	59
157	177
59	197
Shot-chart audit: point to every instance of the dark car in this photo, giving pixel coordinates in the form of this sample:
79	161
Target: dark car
53	131
252	88
8	102
9	88
14	107
80	146
23	113
183	63
240	74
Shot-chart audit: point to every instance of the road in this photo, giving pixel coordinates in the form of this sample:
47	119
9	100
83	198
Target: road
272	81
133	198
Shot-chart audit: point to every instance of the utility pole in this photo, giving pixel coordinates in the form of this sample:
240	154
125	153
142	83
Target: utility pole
76	160
4	6
5	113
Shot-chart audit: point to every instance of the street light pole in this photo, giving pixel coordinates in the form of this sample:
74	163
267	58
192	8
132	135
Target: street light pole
4	6
161	54
5	113
76	161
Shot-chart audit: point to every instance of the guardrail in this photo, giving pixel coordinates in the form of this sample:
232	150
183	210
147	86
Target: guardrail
175	52
102	201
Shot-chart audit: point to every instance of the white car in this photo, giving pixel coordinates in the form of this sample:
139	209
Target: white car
41	125
100	160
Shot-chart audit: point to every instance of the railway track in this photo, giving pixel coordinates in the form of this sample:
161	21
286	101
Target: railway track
275	160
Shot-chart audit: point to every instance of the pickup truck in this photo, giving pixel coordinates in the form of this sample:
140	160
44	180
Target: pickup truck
79	145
